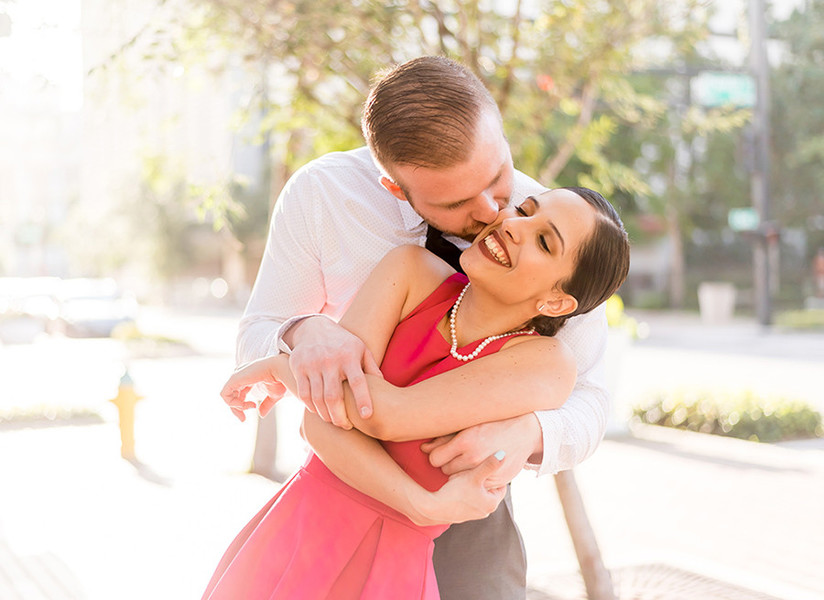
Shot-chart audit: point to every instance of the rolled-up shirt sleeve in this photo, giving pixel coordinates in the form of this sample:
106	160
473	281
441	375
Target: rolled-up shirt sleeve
572	432
290	281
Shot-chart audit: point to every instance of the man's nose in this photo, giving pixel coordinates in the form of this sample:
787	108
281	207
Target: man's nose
485	209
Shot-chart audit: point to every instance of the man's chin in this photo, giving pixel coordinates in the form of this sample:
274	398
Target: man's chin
470	234
466	234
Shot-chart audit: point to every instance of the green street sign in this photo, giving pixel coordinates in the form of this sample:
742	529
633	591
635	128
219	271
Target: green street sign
712	88
743	219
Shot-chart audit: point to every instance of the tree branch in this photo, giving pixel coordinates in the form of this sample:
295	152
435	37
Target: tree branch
506	85
443	30
567	149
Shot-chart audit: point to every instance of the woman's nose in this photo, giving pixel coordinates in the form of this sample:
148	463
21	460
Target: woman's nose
511	227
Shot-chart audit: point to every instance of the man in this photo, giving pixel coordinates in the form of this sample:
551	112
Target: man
437	159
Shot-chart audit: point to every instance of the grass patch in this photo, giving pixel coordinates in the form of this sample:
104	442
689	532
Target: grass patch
801	319
744	415
143	345
40	414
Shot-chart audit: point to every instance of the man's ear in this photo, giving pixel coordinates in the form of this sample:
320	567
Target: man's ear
393	188
559	305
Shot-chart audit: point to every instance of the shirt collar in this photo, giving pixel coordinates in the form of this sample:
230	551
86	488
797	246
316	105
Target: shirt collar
411	219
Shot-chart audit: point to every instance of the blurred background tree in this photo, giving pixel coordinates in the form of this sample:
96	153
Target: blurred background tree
798	125
596	94
564	75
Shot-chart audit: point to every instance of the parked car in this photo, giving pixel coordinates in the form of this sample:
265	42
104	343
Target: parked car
28	307
93	307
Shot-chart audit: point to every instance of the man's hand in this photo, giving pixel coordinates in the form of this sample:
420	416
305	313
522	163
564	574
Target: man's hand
324	355
467	495
520	437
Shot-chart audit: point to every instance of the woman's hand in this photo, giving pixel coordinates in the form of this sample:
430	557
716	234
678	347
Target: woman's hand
260	374
465	497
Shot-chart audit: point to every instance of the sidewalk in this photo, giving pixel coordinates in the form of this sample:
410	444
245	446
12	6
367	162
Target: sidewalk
669	506
684	515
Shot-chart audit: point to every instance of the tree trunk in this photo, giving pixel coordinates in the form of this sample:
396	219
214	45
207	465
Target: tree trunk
597	579
266	448
677	274
266	441
233	266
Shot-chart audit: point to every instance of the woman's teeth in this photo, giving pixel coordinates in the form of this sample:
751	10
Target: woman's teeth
496	250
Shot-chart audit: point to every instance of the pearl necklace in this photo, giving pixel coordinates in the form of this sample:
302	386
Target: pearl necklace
467	357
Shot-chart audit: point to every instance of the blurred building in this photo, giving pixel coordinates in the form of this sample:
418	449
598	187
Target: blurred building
40	132
91	92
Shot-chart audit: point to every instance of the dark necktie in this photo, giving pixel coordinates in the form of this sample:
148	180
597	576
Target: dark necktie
448	251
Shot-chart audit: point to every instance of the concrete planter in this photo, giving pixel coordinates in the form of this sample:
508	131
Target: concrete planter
716	301
619	343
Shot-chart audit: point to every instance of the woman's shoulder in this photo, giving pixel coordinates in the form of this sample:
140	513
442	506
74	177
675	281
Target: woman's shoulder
419	263
421	271
553	349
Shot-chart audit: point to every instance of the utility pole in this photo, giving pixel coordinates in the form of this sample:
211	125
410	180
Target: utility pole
766	242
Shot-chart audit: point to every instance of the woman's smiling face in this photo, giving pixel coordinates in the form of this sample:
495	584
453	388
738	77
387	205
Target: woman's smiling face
531	248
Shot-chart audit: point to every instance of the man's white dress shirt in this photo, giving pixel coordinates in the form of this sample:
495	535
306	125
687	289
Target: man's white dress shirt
332	224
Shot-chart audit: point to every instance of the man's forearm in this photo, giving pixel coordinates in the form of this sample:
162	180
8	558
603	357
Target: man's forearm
572	433
255	339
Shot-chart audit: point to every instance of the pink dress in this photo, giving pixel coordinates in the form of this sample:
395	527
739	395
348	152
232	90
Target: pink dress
319	538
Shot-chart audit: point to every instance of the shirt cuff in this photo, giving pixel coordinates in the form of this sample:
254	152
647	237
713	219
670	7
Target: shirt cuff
279	343
551	435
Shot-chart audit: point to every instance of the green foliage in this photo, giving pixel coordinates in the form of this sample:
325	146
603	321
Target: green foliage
619	320
574	81
139	344
743	415
151	229
558	70
164	216
797	116
801	319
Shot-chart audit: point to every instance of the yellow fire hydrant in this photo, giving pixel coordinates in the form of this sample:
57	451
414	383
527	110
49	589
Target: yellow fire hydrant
125	402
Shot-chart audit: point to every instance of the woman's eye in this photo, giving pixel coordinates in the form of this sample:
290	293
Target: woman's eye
544	245
520	211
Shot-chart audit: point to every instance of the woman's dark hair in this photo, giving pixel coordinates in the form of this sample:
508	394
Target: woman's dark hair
601	266
424	113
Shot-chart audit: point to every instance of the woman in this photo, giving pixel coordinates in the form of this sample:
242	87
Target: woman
559	254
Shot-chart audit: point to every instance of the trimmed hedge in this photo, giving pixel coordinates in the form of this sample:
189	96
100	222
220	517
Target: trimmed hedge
743	415
46	413
812	320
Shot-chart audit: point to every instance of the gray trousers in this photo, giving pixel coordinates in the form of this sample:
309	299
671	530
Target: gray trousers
482	560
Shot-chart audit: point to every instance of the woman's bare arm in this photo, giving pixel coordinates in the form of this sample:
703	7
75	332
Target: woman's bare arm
361	462
536	374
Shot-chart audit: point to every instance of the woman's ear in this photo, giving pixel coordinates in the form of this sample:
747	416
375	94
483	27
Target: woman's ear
561	304
393	188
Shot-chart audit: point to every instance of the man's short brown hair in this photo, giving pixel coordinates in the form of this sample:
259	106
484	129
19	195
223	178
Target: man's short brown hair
424	113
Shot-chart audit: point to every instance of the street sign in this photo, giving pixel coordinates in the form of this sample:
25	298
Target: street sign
713	88
743	219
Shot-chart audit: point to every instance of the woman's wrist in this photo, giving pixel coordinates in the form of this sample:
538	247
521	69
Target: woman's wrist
421	506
